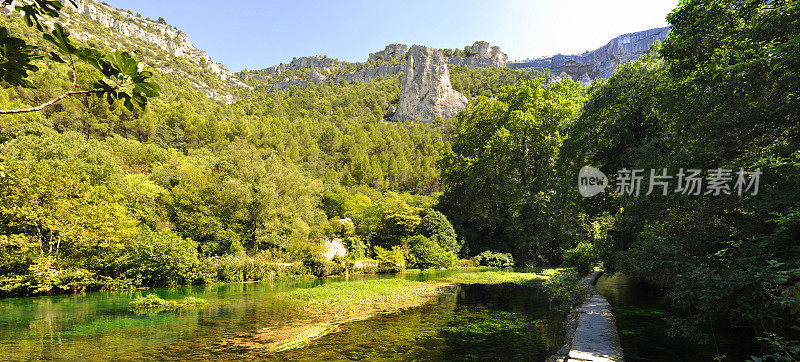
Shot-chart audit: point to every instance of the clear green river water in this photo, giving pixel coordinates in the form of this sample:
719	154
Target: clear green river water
475	322
640	311
472	322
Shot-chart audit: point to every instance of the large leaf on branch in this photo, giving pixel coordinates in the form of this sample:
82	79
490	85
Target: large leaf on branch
125	80
16	59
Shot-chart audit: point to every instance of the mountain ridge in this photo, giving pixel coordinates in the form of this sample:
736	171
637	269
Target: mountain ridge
170	44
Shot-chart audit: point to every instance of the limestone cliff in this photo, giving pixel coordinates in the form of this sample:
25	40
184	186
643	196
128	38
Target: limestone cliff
599	63
425	90
364	75
317	61
483	56
166	37
91	20
391	51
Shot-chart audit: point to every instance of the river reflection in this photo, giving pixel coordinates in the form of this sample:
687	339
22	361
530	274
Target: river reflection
476	322
640	311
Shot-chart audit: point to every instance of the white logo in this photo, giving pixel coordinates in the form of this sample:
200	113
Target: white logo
591	181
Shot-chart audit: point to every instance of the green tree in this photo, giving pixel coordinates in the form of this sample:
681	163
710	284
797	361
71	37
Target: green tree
425	253
434	225
161	259
500	178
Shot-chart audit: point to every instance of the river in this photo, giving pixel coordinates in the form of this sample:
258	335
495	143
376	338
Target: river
640	311
470	322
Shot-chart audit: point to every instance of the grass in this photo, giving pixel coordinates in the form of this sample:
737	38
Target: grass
356	299
499	277
153	301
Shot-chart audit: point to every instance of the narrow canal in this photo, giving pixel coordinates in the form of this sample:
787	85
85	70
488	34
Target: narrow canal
640	312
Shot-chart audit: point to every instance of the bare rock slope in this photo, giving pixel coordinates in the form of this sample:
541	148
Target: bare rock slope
483	56
599	63
425	90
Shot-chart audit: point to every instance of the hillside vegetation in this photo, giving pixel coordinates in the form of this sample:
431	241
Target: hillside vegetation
191	190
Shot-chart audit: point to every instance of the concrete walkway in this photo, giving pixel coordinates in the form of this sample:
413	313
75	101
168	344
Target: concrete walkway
596	337
592	335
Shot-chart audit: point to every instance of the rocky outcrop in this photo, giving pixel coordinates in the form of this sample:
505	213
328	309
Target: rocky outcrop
599	63
425	90
391	51
483	56
365	75
166	37
333	247
317	61
127	32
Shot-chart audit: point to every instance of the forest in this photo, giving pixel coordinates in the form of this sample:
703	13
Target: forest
186	190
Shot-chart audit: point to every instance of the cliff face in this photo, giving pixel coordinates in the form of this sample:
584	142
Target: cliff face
317	61
391	51
122	30
483	56
425	90
165	37
599	63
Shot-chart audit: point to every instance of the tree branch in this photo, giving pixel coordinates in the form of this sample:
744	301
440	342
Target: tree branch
71	91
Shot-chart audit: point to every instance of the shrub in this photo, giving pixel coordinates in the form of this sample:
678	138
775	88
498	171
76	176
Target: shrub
158	259
426	253
243	268
498	260
323	268
565	290
355	247
582	257
466	263
343	227
44	277
435	226
390	261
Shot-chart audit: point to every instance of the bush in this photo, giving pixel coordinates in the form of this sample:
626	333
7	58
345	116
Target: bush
343	227
244	268
390	261
466	263
582	257
565	290
425	253
44	277
498	260
435	226
323	268
157	259
355	247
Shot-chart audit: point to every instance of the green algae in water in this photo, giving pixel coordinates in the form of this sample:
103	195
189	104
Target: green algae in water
474	322
153	301
100	326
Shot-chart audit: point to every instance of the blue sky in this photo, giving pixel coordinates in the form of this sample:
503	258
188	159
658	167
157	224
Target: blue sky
256	34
